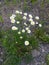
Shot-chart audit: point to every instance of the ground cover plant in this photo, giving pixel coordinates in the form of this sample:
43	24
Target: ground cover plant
24	35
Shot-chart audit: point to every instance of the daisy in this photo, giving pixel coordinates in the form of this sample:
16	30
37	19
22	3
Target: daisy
27	28
20	12
14	15
36	22
40	25
28	31
23	30
17	12
21	37
26	43
16	42
17	22
19	32
14	28
37	17
32	23
30	16
25	24
30	20
12	20
25	14
24	17
11	17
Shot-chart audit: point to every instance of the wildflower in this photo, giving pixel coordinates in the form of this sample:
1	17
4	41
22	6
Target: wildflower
12	20
17	22
26	43
27	28
37	17
25	14
21	37
14	28
30	16
19	32
24	17
14	15
23	30
32	23
25	24
40	25
16	42
20	12
36	22
17	12
30	20
11	17
28	31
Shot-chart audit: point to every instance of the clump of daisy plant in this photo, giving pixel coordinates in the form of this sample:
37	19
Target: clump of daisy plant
24	35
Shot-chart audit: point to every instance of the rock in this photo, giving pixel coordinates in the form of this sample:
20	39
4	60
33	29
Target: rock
35	53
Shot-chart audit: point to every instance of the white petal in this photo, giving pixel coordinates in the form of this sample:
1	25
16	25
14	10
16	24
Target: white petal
20	12
19	32
36	22
25	14
28	31
23	30
27	28
14	28
12	20
17	22
21	37
30	16
32	23
26	43
17	12
40	25
24	17
30	20
25	24
37	17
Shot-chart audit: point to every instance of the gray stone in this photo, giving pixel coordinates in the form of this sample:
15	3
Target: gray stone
35	53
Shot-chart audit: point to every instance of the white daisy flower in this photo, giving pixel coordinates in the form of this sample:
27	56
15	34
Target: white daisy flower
12	20
24	17
32	23
20	12
30	20
19	32
14	15
17	22
23	30
17	12
30	16
25	14
21	37
37	17
25	24
16	42
11	17
14	28
28	31
26	43
27	28
40	25
36	22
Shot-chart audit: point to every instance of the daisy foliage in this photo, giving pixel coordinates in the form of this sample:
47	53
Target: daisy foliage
23	36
